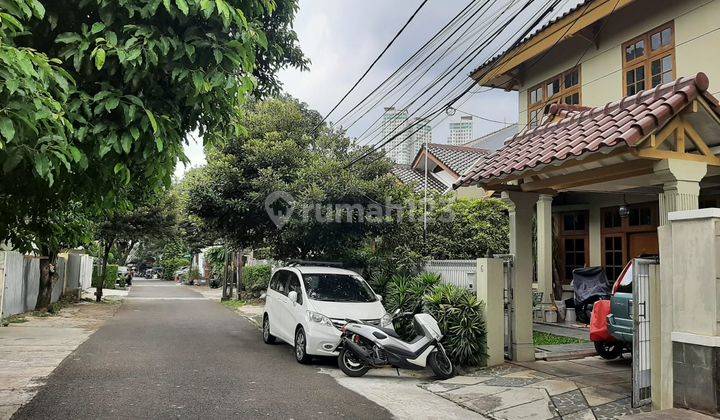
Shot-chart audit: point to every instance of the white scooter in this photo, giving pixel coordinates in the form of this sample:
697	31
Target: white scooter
366	346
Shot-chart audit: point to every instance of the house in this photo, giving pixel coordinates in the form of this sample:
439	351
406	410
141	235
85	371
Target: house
445	164
618	143
496	139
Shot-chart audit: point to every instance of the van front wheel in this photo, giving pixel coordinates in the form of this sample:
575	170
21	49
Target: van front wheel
608	350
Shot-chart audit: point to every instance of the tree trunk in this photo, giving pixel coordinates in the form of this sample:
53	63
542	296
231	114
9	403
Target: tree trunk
103	270
47	278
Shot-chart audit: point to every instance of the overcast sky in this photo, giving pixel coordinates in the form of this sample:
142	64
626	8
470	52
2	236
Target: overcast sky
342	38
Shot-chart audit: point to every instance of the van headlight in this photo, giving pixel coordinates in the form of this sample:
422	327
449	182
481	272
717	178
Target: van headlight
386	321
319	318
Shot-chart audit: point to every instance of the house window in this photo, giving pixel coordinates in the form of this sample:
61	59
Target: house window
565	87
649	60
614	257
573	240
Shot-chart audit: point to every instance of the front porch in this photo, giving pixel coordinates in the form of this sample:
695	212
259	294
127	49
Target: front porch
596	187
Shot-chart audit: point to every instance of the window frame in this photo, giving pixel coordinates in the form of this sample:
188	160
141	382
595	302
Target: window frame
574	234
645	61
539	107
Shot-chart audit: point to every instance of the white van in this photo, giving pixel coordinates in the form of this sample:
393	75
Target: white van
307	306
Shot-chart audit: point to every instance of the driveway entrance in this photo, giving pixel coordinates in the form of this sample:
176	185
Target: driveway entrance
589	388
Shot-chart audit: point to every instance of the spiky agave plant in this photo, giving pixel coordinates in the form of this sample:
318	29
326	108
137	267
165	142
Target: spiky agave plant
460	317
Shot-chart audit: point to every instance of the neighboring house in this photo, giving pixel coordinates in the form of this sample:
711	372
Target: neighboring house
416	179
619	127
495	140
445	164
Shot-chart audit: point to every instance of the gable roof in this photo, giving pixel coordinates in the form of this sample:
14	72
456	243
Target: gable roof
546	36
625	122
456	158
416	178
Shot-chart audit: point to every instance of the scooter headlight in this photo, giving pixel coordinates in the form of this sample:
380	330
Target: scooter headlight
386	321
319	318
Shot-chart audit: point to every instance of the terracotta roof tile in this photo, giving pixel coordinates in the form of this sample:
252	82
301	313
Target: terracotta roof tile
458	158
586	130
416	179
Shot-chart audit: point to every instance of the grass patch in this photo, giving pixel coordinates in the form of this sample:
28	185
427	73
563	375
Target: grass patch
16	319
234	304
544	339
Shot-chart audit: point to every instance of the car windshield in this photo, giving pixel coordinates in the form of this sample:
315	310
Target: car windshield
337	288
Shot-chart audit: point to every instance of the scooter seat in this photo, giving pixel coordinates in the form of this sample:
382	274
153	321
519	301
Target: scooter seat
389	332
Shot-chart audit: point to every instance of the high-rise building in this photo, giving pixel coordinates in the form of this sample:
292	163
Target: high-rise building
403	148
461	132
393	122
421	133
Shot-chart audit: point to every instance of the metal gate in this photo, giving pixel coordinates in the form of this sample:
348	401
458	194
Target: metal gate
508	302
641	372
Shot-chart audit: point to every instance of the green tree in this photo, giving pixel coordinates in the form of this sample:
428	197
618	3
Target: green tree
280	150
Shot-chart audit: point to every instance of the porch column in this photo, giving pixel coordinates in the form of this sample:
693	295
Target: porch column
681	185
521	215
543	223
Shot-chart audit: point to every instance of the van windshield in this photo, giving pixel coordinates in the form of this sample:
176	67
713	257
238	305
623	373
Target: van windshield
337	288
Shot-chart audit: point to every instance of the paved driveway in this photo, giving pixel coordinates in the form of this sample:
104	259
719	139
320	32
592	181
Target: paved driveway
169	352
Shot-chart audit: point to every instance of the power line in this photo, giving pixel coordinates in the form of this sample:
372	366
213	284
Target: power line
474	54
387	47
412	57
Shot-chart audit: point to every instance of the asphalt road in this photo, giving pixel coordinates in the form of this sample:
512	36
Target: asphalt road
170	353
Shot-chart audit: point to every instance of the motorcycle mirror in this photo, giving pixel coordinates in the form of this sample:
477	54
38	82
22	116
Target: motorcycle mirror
379	298
397	311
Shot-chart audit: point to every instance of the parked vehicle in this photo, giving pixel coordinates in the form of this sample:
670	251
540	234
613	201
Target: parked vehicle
611	327
368	346
307	306
590	285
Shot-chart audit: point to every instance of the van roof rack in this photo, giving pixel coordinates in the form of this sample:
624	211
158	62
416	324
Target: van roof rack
334	264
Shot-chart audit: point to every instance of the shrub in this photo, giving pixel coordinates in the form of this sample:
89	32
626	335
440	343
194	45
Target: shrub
171	265
458	312
461	318
110	276
406	293
255	278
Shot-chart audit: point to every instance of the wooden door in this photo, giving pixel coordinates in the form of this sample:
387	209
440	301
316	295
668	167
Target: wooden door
645	243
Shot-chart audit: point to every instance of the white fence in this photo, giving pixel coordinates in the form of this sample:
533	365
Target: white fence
20	283
461	273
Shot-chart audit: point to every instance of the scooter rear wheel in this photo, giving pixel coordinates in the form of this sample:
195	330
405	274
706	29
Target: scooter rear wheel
351	365
441	365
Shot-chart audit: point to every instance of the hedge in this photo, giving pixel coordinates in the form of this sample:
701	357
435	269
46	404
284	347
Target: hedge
111	273
256	278
171	265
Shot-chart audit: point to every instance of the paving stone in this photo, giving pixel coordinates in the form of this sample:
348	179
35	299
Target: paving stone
513	382
600	363
509	398
500	370
465	380
472	392
580	415
439	388
562	368
541	409
555	386
598	396
528	374
606	378
569	402
615	409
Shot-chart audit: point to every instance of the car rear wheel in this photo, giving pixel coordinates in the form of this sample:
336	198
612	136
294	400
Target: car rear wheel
267	337
301	347
608	350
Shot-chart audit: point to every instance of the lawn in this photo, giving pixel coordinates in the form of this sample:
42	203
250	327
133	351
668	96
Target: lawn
541	338
234	304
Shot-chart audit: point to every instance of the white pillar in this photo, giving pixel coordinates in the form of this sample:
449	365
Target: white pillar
681	185
543	223
521	214
490	284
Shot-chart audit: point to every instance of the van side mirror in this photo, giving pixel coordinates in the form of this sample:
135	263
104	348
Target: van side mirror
293	296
